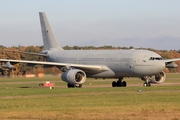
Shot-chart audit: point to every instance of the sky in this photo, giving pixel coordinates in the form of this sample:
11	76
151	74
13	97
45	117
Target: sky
138	23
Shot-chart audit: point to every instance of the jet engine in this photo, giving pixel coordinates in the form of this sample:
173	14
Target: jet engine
7	65
157	79
74	76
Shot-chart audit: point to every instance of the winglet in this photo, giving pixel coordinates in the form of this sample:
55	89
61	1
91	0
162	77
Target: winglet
49	39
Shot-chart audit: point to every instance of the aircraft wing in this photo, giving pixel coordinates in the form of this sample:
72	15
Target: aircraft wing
90	68
170	62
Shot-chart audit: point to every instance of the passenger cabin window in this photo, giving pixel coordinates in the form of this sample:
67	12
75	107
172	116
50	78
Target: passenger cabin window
155	58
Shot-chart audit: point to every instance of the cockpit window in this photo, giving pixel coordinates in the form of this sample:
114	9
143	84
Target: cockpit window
155	58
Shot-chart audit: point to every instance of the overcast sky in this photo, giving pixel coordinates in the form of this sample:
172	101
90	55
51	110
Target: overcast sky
139	23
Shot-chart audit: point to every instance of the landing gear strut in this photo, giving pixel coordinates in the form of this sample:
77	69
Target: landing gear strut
147	82
119	83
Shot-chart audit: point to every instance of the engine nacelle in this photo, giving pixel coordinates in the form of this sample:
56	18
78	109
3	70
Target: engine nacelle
7	65
74	76
157	79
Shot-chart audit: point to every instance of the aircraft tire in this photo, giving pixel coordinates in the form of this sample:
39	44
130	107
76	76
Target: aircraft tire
80	86
119	83
70	85
124	84
147	84
114	84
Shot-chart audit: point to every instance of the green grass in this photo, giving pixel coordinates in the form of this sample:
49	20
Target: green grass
22	98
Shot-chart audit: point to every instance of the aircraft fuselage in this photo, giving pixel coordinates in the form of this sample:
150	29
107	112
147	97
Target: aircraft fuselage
121	63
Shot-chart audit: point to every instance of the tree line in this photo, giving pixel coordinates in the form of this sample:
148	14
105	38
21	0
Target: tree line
20	69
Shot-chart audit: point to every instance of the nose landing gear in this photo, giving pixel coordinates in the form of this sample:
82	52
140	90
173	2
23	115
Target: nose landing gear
147	81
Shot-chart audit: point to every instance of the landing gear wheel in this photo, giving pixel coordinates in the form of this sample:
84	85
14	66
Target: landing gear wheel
147	84
70	85
73	86
119	83
114	84
80	86
124	84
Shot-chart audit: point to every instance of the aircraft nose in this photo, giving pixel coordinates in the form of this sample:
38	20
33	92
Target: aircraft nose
161	65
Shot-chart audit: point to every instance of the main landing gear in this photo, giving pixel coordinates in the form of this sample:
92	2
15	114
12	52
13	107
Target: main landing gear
73	86
119	83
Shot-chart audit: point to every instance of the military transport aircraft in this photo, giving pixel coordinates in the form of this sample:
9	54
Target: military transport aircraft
77	65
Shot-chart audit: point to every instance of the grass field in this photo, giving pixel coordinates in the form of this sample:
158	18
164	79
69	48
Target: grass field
22	98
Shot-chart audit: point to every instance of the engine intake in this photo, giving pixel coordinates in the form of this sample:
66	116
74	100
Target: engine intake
157	79
74	76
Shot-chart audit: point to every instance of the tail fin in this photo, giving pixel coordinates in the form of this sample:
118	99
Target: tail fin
49	39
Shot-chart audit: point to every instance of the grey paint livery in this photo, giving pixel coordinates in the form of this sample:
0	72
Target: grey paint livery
113	63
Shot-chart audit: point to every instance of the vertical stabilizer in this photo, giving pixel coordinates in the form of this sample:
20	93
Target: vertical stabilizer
49	39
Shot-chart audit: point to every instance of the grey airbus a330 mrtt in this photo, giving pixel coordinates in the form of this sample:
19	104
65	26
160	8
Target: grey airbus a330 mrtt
77	65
